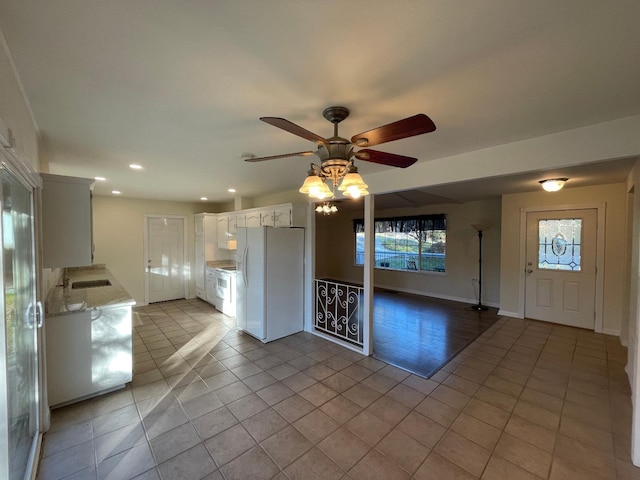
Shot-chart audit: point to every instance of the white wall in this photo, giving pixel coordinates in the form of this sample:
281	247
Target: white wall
15	110
118	229
614	196
335	252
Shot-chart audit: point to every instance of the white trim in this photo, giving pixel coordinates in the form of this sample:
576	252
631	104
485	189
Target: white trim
422	293
337	341
600	208
505	313
368	274
186	264
309	269
10	158
611	331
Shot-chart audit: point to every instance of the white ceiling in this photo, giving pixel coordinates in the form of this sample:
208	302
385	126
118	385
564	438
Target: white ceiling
178	86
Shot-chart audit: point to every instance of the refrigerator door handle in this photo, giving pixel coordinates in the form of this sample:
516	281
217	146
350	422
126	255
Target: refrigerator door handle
245	254
40	314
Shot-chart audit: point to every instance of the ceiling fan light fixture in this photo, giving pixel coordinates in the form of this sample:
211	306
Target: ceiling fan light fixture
553	184
315	187
352	184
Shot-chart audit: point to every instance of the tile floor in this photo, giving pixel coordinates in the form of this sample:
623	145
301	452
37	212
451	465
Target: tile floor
527	400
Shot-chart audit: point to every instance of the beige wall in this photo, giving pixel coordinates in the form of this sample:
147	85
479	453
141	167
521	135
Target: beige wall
15	110
291	196
614	196
118	228
335	252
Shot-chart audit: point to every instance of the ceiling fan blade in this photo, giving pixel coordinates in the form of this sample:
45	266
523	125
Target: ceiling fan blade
407	127
273	157
385	158
295	129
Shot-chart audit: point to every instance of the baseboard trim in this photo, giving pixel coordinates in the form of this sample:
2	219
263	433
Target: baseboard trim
611	331
506	313
453	298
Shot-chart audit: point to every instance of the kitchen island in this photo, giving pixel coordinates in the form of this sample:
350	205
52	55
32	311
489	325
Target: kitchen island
88	324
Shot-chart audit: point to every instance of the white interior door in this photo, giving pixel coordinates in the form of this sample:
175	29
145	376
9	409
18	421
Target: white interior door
561	259
165	240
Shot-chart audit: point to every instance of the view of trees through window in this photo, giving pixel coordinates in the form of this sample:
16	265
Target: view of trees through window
406	243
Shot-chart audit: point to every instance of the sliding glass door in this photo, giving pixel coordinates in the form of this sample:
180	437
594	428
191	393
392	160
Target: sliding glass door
19	408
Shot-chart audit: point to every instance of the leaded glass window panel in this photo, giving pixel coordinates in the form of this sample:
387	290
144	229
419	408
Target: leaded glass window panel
559	244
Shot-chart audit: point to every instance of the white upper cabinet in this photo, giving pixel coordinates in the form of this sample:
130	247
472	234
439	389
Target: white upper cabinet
227	231
287	215
282	217
252	218
67	221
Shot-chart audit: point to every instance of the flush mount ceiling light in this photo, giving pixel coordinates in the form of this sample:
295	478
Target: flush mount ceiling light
327	208
204	199
116	192
100	179
135	166
337	154
553	184
232	190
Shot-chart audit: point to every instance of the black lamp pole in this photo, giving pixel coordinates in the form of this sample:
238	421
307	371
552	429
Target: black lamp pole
479	307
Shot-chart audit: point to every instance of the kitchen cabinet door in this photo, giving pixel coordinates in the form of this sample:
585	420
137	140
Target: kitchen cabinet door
223	231
252	219
266	218
67	222
282	217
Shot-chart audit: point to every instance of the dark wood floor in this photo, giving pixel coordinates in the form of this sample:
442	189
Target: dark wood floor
420	334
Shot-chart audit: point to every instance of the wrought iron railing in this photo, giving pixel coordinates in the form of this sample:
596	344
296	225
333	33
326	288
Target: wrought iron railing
338	312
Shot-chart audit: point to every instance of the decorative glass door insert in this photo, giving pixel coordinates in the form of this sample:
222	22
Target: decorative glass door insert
559	244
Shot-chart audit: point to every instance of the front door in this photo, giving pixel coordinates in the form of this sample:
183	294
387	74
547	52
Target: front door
561	267
165	269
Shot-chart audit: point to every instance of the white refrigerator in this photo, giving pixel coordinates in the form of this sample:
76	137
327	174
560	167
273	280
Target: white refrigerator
270	281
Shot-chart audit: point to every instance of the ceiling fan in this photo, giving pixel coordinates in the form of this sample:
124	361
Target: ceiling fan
337	154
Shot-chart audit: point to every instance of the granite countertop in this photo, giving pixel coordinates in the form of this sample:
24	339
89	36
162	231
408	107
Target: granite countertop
221	264
66	300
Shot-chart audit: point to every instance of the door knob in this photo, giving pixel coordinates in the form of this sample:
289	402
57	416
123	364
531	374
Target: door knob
529	271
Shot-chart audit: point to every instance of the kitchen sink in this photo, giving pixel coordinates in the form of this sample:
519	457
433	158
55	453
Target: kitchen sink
103	282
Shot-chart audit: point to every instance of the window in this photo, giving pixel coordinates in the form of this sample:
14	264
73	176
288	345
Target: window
559	244
406	243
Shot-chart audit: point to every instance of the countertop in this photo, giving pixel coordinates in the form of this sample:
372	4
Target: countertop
66	300
221	264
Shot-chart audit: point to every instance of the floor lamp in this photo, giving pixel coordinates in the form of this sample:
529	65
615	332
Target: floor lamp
479	307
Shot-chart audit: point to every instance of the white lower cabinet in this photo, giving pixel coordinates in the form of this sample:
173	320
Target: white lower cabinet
206	248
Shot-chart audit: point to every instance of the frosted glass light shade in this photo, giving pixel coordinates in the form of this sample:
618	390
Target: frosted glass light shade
553	184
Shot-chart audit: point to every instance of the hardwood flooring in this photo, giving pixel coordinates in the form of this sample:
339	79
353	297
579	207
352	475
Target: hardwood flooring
420	334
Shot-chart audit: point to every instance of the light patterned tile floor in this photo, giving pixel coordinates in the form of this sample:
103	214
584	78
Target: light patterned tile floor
527	400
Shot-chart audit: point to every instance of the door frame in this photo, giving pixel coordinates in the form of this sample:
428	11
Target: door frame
186	266
600	207
26	174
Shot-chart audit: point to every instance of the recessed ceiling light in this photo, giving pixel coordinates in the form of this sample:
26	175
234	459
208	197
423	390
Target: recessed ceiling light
232	190
135	166
100	179
204	199
116	192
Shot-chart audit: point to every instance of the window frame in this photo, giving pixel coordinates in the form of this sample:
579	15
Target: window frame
420	226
